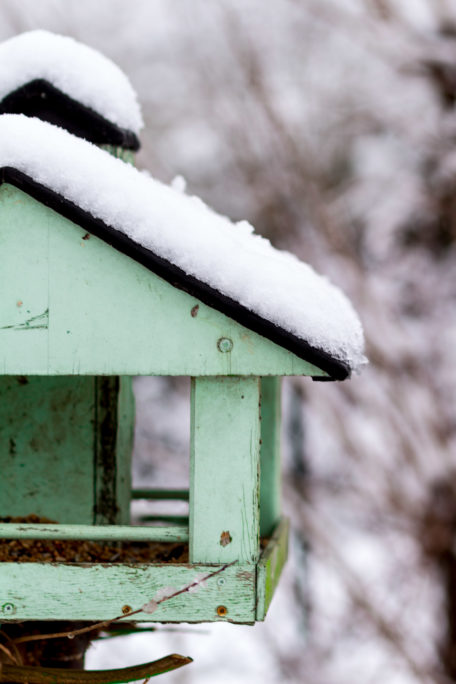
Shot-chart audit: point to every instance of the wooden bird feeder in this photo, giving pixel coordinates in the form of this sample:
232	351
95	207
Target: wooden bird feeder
84	308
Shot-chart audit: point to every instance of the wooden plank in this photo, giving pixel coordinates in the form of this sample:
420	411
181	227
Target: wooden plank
224	470
60	430
80	298
270	455
24	305
270	567
93	532
113	446
46	442
126	415
101	592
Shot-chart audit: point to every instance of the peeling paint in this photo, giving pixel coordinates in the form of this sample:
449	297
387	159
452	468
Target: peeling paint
245	575
225	538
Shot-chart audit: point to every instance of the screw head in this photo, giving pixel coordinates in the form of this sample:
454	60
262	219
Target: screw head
8	609
221	581
222	611
224	344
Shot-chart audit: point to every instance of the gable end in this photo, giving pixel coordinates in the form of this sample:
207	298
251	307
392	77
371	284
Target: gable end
175	276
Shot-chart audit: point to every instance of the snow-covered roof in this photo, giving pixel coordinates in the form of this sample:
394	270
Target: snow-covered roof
223	263
77	70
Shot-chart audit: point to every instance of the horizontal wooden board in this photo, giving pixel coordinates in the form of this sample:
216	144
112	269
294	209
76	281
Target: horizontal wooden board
177	533
47	591
241	593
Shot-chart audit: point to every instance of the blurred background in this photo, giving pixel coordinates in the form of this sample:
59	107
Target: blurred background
331	126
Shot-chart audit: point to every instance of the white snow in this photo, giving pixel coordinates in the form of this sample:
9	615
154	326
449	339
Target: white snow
182	229
76	69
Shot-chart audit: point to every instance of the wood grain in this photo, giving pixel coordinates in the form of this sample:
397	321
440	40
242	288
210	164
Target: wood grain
224	470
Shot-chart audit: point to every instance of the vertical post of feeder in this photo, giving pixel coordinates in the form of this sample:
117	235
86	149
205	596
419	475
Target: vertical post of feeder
270	454
224	469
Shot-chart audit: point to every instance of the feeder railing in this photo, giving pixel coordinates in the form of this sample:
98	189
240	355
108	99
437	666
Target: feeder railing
53	531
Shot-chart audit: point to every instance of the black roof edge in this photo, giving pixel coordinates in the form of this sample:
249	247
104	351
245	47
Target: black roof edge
336	369
43	100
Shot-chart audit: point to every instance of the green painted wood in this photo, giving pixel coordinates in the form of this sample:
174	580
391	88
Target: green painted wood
161	494
113	446
46	447
128	156
270	567
99	592
270	455
71	304
65	448
93	532
224	470
126	416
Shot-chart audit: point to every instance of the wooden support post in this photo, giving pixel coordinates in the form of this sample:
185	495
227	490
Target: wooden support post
113	447
224	469
270	455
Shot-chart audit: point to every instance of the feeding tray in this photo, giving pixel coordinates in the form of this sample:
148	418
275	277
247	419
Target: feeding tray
125	577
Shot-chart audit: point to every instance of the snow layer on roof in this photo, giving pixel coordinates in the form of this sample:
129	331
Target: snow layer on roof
182	229
76	69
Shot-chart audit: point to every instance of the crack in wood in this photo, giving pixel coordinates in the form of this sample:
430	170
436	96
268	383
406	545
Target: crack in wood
33	323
